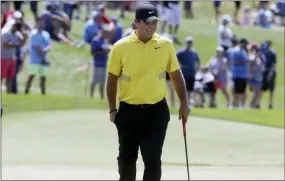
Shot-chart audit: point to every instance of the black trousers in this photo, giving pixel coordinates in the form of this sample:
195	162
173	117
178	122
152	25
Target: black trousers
144	127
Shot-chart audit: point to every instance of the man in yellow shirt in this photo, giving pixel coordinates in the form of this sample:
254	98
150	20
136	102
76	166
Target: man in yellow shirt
140	62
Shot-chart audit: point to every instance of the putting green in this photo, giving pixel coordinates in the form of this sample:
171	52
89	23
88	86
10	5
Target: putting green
85	139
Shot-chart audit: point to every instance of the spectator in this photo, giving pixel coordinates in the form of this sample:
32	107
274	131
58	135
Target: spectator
265	16
257	61
118	30
91	28
236	12
246	17
217	6
174	19
57	23
39	48
18	5
21	52
99	50
225	34
34	9
163	11
204	83
269	76
218	65
10	40
188	9
239	68
190	62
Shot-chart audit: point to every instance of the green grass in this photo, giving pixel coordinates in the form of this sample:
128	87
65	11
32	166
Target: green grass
64	80
35	103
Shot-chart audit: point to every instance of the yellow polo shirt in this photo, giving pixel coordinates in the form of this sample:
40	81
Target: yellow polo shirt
142	67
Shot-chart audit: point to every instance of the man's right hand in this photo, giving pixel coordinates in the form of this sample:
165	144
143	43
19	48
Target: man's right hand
113	116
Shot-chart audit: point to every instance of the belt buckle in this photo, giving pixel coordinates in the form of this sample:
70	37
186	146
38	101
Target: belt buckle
145	105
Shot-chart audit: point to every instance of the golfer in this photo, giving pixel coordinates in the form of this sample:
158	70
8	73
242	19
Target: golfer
140	62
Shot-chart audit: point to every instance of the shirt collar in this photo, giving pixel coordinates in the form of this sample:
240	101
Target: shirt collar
135	38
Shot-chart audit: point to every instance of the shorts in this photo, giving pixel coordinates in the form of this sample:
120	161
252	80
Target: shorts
210	87
217	4
174	15
8	68
190	83
38	70
240	85
99	75
237	4
187	5
268	85
225	48
220	84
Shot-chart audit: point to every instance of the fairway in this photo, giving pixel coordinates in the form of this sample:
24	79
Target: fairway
82	144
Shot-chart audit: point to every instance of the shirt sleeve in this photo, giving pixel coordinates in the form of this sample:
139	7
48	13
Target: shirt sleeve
114	62
47	37
172	64
244	56
85	34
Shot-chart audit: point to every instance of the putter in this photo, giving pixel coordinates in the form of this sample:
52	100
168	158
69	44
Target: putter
185	142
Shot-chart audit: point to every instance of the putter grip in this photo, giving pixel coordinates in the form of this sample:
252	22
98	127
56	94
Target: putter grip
184	126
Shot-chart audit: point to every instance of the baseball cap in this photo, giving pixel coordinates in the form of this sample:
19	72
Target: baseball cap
95	14
220	49
189	39
17	15
146	12
226	18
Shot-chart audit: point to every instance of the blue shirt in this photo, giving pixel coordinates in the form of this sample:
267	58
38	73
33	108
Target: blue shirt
239	70
118	34
281	7
97	44
270	56
42	40
187	60
47	16
91	29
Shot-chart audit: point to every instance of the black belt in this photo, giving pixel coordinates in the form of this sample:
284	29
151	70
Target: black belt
142	105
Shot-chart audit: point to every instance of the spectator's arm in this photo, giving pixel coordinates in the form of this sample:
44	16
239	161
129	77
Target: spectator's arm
198	61
86	34
48	44
97	49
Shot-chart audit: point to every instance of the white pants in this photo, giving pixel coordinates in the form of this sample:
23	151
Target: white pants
174	14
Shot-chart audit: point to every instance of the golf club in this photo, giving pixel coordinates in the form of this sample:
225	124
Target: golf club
185	142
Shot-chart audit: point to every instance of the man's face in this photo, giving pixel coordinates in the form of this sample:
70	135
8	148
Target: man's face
189	44
146	28
219	54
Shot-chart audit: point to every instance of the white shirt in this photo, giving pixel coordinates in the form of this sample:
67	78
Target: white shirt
225	35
